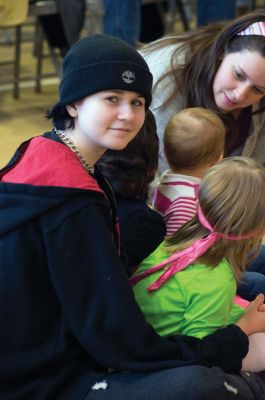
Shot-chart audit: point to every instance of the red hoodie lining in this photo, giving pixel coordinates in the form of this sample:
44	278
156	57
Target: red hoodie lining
55	165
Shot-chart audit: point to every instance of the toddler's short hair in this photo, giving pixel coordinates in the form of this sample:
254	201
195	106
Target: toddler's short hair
193	138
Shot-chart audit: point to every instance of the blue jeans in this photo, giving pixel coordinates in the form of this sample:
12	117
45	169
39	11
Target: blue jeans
259	264
253	281
214	11
183	383
122	18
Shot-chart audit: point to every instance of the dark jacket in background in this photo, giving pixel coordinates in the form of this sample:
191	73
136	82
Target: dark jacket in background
62	30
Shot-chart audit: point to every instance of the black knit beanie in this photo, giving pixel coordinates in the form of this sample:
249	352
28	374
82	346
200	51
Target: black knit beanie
103	62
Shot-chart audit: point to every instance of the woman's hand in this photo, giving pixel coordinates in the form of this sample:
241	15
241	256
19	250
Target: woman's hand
253	320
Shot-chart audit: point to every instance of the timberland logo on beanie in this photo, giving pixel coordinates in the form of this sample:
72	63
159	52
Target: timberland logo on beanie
102	62
128	76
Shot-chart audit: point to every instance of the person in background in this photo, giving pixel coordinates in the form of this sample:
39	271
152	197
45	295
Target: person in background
122	18
208	11
153	24
130	171
188	284
193	142
70	326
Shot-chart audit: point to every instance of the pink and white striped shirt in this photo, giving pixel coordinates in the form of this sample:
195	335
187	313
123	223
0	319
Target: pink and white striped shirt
175	199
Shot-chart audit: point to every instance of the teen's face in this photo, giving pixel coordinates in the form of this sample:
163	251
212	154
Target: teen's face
109	119
240	80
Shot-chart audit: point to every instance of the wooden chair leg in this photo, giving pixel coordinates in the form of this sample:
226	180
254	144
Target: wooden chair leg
17	56
38	51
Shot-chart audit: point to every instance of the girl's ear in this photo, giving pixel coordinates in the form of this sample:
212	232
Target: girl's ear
217	160
220	158
72	110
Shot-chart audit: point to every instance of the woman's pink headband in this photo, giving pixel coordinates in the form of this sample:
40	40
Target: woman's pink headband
183	258
257	28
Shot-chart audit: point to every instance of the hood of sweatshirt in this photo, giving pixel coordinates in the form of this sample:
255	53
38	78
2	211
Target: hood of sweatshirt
31	185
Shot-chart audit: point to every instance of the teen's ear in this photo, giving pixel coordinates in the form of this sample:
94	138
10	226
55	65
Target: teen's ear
72	110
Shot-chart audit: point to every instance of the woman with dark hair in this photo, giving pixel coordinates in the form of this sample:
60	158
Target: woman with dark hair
220	67
130	172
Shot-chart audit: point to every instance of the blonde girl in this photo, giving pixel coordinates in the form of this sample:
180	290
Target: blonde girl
202	261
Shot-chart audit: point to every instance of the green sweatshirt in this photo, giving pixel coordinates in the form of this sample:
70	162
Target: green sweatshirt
195	301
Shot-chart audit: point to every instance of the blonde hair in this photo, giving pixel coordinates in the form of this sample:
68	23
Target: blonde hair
194	138
231	196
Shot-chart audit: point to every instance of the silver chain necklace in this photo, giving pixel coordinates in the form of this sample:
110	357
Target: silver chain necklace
71	146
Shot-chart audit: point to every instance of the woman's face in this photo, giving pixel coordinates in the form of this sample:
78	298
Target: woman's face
239	81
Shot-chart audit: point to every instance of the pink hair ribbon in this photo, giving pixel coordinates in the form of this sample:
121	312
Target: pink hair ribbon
257	28
183	258
241	302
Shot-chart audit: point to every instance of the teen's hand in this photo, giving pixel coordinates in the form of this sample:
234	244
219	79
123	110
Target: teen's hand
253	320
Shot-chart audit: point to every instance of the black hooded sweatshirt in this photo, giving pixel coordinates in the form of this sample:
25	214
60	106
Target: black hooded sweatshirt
67	312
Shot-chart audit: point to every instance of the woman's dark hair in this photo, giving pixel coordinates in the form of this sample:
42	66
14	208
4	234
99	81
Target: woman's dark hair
204	49
60	117
130	170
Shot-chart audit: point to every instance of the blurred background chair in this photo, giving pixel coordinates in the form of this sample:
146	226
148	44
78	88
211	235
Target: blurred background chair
12	15
47	11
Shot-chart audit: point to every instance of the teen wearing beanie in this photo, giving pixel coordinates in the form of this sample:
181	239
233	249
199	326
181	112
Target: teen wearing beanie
69	322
